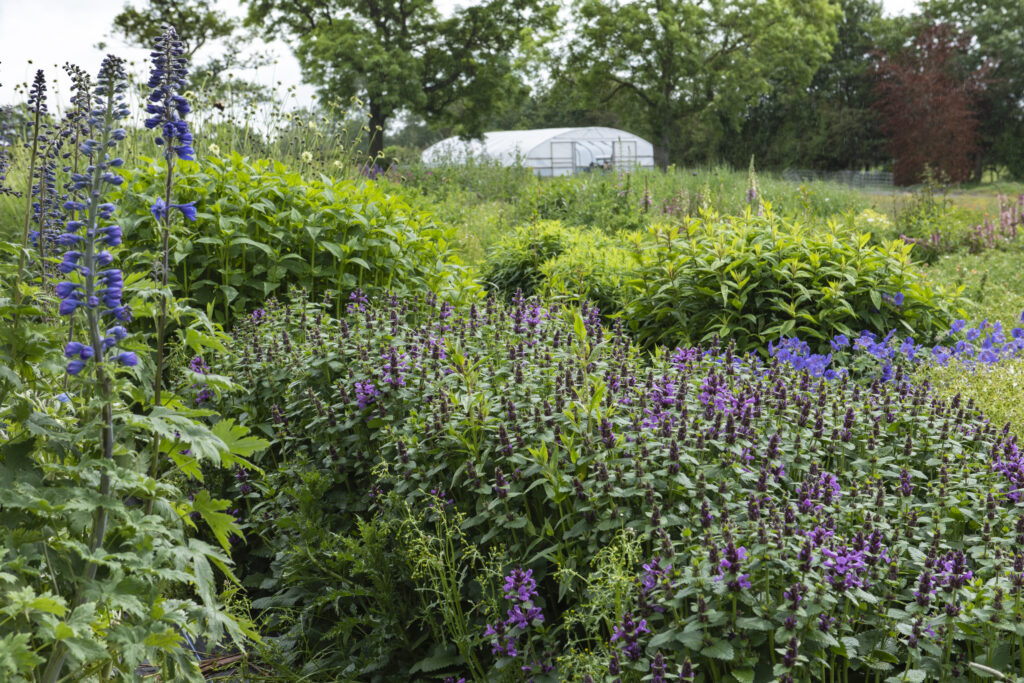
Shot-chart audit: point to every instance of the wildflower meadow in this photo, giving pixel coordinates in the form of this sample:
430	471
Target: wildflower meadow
283	408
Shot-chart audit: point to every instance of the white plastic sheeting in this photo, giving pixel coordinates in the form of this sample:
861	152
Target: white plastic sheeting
549	151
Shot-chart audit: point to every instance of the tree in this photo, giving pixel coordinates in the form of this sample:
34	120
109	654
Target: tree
832	123
198	24
682	68
926	96
403	56
998	45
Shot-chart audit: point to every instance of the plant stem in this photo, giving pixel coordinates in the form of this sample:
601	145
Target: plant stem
28	213
161	323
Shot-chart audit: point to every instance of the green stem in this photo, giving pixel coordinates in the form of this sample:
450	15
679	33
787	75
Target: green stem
28	213
161	323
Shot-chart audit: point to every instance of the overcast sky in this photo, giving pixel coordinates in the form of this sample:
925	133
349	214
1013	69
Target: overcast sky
46	33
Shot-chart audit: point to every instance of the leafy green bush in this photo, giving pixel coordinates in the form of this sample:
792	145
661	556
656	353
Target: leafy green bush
744	516
262	228
752	279
593	267
514	263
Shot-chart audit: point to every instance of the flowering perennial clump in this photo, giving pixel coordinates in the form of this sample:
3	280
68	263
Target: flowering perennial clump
986	343
780	513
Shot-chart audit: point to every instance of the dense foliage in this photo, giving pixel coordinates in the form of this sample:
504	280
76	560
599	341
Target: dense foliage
752	279
547	256
748	279
260	228
705	511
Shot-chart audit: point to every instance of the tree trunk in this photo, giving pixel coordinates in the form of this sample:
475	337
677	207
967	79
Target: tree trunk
378	119
979	166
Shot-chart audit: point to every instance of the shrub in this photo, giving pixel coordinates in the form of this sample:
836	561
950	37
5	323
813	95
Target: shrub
514	263
706	510
593	267
752	279
988	385
261	228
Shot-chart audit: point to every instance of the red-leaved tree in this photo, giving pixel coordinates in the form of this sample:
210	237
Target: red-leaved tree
926	97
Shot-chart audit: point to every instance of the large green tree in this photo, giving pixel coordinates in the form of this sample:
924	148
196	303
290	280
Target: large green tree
198	24
683	68
405	56
830	124
998	30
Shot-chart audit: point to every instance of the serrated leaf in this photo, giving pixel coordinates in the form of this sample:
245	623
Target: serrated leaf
744	675
239	444
221	524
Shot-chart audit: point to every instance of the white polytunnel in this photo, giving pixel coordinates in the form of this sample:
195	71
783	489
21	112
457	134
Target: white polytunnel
549	151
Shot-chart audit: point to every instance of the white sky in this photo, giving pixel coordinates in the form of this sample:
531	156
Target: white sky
46	33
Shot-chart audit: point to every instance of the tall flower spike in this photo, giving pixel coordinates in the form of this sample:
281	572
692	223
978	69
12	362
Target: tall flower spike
166	105
100	288
94	286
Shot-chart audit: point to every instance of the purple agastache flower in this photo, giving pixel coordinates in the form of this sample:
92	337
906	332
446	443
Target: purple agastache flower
504	643
906	487
844	567
357	301
366	393
393	369
658	668
519	585
825	622
952	572
629	631
655	577
520	588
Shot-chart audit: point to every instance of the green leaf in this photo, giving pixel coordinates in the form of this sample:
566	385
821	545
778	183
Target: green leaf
744	675
174	426
221	524
719	649
238	442
17	655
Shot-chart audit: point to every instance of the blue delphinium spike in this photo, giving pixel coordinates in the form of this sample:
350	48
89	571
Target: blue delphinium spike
100	290
166	106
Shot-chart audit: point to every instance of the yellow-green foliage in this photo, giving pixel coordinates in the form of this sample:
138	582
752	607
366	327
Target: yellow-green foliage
753	279
594	267
568	262
995	388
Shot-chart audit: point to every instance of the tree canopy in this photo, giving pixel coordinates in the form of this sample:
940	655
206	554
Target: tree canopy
677	66
997	30
405	56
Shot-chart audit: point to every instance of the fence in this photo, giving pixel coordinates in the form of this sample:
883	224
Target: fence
868	180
